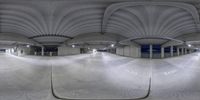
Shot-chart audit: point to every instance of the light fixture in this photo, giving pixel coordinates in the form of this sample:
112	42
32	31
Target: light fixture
27	46
94	51
112	45
12	50
189	45
73	46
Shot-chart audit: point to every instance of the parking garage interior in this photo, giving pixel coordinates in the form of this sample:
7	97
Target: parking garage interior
99	49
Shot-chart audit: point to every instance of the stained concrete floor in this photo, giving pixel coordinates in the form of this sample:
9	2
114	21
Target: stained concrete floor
99	76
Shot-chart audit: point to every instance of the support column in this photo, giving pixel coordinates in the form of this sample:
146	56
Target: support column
182	51
35	53
151	52
190	51
162	52
185	51
51	54
178	53
16	50
171	51
42	51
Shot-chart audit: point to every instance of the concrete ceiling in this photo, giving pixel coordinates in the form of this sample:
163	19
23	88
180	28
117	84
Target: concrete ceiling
57	21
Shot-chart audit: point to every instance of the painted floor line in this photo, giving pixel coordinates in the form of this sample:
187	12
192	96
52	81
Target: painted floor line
61	98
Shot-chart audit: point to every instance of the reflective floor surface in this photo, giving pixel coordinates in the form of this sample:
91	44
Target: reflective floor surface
99	76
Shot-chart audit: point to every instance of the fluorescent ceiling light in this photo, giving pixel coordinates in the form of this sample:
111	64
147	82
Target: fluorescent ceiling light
112	45
189	45
73	46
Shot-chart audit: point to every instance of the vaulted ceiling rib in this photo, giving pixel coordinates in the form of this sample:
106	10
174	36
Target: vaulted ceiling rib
72	18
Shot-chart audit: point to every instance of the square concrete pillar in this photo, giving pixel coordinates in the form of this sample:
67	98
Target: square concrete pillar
151	51
171	51
182	51
162	52
42	51
35	53
178	53
51	54
185	51
190	51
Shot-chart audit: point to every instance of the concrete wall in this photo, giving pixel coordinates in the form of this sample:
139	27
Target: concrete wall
120	51
129	51
20	51
68	51
23	51
135	51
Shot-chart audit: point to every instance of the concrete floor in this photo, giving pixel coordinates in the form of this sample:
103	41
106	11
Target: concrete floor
24	78
101	75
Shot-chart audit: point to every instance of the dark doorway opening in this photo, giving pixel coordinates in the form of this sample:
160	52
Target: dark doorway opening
156	51
2	50
50	51
167	52
145	52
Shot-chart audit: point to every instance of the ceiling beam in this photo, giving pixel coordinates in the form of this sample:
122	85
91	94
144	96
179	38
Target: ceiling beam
50	35
114	7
